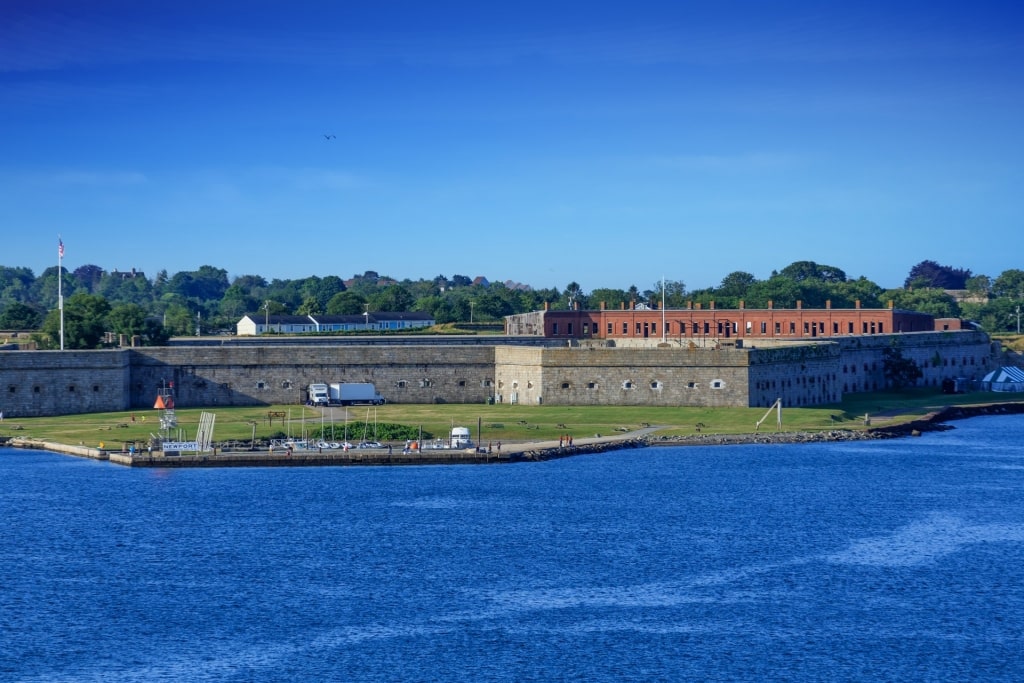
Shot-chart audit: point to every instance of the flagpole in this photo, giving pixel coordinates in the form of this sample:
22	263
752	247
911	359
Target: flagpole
60	287
663	330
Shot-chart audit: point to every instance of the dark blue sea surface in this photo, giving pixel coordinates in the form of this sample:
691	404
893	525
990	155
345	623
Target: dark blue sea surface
866	561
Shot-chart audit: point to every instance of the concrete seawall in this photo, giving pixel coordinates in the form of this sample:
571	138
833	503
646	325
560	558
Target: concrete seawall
523	451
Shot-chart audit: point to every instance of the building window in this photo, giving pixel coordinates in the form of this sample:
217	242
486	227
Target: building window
95	388
638	329
586	329
486	383
569	329
401	384
565	385
691	385
654	328
610	333
627	384
656	385
37	389
554	328
286	384
462	382
717	384
71	389
778	329
591	385
792	328
424	382
625	328
260	386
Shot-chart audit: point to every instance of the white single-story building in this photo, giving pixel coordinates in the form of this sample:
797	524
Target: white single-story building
256	324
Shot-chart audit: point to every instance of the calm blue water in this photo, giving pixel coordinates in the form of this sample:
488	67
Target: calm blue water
893	560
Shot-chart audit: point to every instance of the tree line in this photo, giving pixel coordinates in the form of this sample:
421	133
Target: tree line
100	305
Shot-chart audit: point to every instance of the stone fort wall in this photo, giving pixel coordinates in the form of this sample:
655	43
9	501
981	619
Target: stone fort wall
38	383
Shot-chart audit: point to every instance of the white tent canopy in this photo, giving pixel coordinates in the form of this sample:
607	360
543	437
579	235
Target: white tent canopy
1006	378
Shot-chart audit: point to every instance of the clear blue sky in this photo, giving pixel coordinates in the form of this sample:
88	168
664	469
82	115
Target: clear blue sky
606	143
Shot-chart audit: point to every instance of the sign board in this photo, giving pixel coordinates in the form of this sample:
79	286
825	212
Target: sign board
180	446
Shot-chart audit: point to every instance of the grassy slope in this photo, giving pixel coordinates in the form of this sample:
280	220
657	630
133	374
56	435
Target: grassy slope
498	422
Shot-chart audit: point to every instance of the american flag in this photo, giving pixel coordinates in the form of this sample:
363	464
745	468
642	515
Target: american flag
60	247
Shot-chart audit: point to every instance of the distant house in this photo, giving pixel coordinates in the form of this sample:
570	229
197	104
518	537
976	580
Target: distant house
256	324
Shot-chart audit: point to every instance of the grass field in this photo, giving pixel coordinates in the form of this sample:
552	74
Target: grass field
502	422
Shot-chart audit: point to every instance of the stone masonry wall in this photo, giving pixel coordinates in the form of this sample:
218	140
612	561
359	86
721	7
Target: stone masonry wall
267	375
608	376
40	383
940	355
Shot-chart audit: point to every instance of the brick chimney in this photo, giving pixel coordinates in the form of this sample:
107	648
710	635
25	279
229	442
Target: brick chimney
771	304
828	304
799	304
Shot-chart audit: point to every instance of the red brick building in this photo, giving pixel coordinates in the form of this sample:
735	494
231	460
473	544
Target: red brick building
699	325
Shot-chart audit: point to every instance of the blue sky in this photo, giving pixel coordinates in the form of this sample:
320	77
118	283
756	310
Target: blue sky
609	144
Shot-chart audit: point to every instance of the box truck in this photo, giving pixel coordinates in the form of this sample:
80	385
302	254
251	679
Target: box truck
353	393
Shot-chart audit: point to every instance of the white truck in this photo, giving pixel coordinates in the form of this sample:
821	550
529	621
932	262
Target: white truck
353	393
319	395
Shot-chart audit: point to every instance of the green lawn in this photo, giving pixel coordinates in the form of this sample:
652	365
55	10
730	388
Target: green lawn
500	422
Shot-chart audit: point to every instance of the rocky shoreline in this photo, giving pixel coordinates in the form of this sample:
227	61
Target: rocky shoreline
936	421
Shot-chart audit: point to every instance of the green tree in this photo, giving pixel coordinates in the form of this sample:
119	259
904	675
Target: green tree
1009	284
178	320
736	284
611	298
129	319
927	300
674	292
899	372
19	316
392	299
204	284
317	291
799	271
309	306
88	277
85	321
346	303
931	274
847	294
978	286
